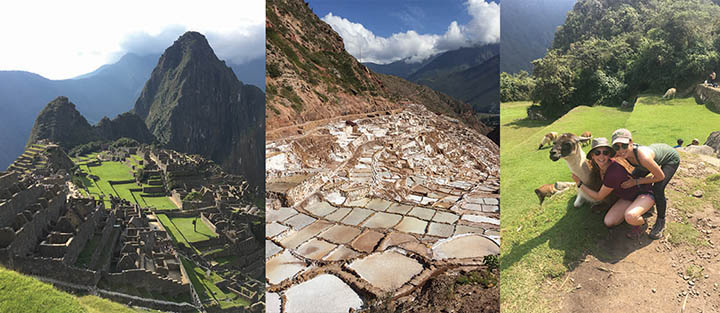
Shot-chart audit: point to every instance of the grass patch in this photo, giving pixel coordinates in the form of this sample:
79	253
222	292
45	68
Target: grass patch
20	293
158	202
544	242
207	290
182	230
684	233
99	305
694	271
482	278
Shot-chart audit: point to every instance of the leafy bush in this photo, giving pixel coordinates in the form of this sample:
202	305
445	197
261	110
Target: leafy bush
87	148
124	142
611	50
516	87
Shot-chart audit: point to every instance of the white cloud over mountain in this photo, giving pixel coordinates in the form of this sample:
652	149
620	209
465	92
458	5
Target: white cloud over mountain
483	28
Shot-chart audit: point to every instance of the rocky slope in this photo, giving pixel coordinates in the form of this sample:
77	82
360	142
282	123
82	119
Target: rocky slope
194	103
60	122
124	125
310	76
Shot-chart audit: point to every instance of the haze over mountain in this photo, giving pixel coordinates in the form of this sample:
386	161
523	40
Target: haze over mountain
527	31
106	92
60	122
467	74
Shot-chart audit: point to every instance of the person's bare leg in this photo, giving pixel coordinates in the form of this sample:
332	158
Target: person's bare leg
634	212
616	213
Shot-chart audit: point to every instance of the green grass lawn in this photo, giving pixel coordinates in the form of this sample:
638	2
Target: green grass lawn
19	293
543	242
117	171
181	229
161	203
206	288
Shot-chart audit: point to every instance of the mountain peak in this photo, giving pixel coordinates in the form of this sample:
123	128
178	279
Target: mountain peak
194	103
61	122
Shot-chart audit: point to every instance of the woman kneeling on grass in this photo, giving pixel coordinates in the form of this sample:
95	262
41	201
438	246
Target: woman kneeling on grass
632	202
659	160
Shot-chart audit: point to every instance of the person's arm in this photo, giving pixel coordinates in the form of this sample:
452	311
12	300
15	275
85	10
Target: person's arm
646	159
596	195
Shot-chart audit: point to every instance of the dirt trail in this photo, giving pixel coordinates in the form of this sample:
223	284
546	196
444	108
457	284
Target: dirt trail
653	275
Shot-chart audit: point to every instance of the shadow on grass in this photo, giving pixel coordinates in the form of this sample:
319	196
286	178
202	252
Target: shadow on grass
527	123
578	233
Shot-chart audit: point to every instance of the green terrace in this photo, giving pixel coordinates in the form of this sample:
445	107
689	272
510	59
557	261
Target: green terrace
182	231
124	185
207	290
542	242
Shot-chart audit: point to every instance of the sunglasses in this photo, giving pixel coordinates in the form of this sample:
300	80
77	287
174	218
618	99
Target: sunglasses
603	152
617	147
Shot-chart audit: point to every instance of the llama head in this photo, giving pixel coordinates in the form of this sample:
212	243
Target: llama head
564	146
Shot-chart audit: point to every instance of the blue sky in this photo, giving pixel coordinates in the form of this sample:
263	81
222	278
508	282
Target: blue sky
387	31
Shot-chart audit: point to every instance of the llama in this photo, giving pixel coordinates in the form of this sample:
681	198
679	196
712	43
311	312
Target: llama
567	147
548	190
549	139
669	94
585	138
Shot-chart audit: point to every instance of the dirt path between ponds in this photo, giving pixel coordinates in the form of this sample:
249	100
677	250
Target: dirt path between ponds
647	275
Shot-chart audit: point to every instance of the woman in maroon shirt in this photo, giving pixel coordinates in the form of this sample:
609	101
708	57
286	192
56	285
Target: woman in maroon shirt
632	202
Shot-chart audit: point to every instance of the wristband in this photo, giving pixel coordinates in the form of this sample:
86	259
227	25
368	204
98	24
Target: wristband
637	184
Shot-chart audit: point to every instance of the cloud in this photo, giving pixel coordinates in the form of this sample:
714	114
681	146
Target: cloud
70	38
235	46
483	28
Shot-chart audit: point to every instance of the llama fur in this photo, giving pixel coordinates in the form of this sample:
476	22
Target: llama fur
669	94
567	147
549	139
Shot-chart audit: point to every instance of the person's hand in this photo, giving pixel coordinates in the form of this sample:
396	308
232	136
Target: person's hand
576	179
628	184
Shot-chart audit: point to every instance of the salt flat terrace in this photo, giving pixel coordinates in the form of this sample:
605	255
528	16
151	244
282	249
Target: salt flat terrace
363	208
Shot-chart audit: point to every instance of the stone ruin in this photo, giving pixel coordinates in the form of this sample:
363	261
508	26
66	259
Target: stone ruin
143	254
41	159
709	96
360	210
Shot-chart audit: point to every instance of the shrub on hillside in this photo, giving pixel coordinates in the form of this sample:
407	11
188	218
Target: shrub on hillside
516	87
611	50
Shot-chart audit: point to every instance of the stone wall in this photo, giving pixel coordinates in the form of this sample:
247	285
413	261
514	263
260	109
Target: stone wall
55	269
18	203
153	189
108	240
150	281
9	179
208	223
26	239
164	306
708	96
84	233
209	243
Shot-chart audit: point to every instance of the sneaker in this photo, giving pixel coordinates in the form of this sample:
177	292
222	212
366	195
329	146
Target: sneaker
636	232
649	213
657	230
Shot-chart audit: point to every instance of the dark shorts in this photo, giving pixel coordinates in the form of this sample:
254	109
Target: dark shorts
649	193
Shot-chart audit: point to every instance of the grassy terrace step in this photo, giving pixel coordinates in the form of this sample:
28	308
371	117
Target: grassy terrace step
543	242
19	293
